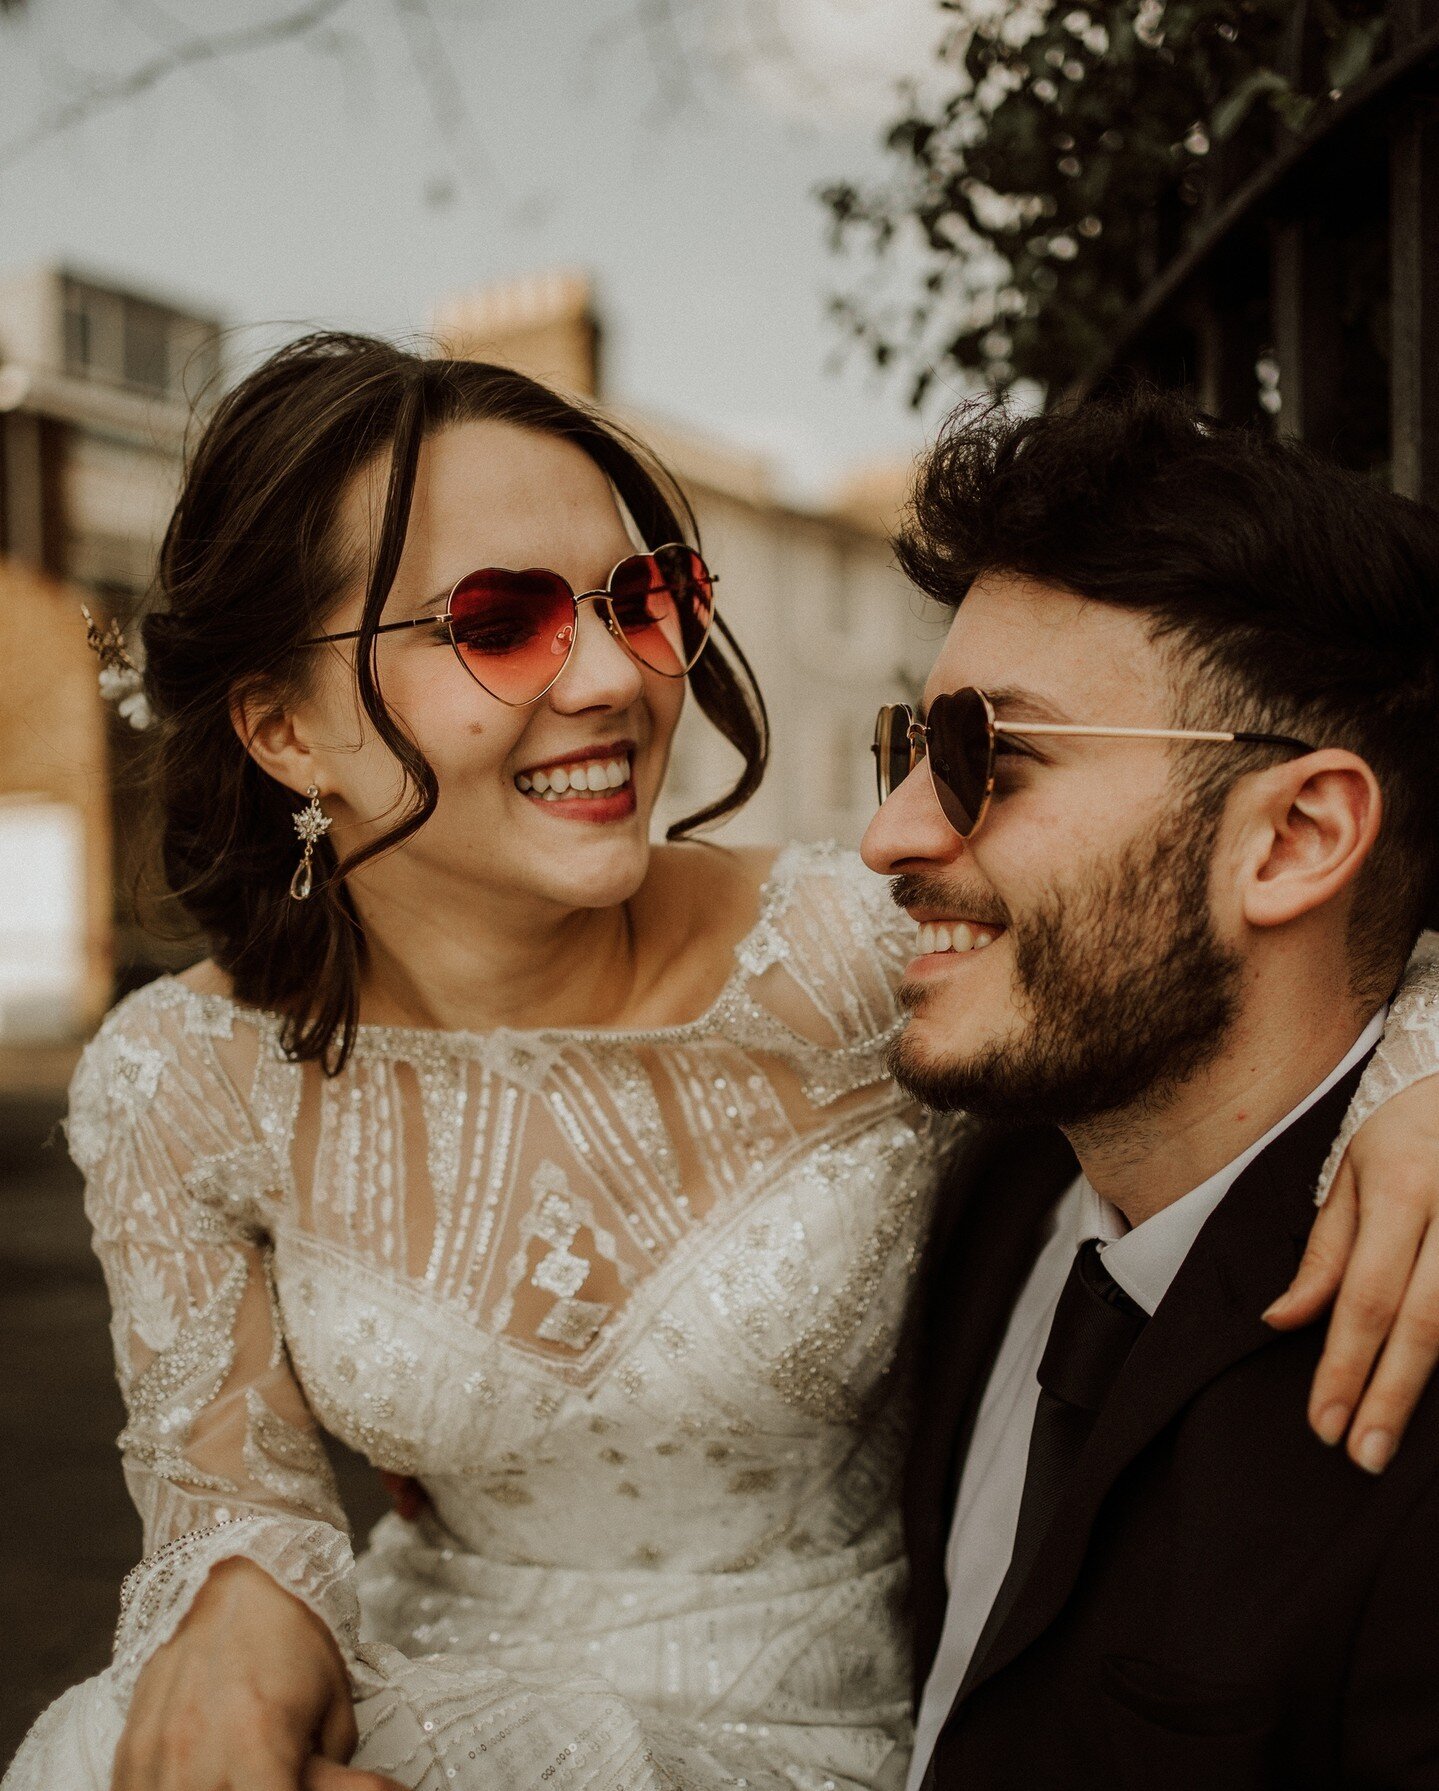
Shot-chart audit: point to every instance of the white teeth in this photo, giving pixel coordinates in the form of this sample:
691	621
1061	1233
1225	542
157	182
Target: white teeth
592	777
958	937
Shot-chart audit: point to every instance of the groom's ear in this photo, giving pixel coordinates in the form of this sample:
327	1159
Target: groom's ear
1306	829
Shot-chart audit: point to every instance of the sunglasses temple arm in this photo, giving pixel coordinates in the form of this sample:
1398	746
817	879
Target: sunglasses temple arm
1216	736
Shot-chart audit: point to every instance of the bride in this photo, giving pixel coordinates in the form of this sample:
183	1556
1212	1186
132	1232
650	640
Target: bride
557	1172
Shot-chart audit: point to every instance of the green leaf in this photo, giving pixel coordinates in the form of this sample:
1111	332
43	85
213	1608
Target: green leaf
1231	112
1352	55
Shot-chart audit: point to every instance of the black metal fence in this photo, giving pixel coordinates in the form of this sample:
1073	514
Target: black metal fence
1305	285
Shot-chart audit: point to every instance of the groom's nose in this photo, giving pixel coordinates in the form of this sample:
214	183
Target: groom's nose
910	832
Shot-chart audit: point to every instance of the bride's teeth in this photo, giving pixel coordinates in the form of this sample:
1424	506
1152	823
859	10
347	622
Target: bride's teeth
592	777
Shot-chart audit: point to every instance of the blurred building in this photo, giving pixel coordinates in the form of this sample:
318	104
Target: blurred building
809	589
96	389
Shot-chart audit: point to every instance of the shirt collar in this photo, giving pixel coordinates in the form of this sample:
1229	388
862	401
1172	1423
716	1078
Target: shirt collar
1145	1261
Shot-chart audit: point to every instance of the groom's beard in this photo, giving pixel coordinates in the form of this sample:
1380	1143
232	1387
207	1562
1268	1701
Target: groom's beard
1128	991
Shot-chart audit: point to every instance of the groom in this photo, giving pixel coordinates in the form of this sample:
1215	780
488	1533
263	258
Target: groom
1133	1562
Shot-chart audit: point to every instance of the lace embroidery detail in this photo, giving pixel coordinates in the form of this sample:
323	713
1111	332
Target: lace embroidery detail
311	1561
287	1461
185	1377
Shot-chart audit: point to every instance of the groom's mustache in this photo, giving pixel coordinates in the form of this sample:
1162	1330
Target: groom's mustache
963	901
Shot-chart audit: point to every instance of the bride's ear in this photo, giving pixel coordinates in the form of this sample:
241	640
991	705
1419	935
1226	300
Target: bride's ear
268	731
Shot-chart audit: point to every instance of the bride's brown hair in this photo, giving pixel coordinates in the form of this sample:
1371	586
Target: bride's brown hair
249	569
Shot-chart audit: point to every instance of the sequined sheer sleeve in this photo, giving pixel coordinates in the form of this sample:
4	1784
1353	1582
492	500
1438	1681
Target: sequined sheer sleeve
1408	1052
220	1452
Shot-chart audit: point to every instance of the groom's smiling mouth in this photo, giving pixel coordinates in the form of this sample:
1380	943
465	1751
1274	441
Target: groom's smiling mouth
953	936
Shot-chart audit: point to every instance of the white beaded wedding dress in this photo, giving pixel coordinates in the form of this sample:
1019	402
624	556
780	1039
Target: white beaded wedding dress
628	1305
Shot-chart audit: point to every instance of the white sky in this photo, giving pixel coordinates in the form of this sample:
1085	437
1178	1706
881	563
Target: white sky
312	182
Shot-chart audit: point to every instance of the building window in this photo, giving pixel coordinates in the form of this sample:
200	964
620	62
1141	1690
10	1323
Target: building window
147	347
131	342
78	347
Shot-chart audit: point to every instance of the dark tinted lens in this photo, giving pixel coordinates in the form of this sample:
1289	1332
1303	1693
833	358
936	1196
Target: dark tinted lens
664	604
513	630
892	758
961	757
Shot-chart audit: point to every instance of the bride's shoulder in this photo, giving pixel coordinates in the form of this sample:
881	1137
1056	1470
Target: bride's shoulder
820	948
158	1048
824	884
207	978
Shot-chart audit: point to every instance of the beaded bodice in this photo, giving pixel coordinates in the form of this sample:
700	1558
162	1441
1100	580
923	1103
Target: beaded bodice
616	1298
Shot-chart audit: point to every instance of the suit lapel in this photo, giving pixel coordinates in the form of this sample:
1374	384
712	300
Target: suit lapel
1209	1320
991	1213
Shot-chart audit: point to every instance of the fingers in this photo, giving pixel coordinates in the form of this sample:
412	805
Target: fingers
1385	1251
1404	1369
338	1733
174	1765
1320	1272
324	1775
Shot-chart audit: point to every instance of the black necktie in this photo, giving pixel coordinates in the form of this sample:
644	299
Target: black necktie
1094	1328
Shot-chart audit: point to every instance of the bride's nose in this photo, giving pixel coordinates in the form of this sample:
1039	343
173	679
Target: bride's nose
600	673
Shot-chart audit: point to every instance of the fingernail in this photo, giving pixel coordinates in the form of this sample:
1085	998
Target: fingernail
1375	1448
1330	1424
1270	1310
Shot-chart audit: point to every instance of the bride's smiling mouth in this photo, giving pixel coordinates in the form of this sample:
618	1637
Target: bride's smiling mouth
593	783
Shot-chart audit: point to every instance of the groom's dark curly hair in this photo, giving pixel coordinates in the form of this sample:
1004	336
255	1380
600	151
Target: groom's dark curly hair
1302	598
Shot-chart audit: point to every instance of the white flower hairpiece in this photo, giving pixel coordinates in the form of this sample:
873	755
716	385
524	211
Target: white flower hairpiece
121	680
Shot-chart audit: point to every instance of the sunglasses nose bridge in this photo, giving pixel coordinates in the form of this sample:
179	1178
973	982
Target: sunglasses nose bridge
605	610
604	613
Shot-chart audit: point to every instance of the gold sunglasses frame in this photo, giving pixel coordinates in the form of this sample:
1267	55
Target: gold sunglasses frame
604	595
917	734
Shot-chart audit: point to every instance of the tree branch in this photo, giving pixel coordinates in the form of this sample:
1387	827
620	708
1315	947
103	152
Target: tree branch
193	52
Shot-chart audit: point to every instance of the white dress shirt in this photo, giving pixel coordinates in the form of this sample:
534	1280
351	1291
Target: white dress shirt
1144	1262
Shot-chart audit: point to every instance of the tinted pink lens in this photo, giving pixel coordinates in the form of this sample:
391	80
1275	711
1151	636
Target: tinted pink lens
664	604
513	630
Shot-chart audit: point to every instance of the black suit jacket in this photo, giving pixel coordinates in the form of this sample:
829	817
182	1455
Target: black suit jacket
1221	1602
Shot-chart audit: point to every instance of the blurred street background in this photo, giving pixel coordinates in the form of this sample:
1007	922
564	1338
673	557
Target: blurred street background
781	238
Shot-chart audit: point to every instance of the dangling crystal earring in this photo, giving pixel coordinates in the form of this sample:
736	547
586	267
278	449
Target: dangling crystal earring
311	823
